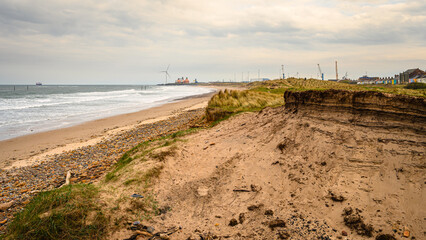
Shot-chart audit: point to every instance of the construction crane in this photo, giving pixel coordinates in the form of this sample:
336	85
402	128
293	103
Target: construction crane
337	75
320	72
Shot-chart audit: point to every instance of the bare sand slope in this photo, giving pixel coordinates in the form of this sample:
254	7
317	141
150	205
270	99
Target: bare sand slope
303	164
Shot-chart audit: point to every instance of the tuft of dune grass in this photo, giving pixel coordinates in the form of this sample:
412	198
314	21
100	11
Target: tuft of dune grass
70	212
228	102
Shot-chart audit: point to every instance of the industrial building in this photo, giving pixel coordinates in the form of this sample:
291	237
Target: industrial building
183	80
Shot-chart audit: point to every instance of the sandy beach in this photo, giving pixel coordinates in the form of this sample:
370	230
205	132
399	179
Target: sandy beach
40	162
25	150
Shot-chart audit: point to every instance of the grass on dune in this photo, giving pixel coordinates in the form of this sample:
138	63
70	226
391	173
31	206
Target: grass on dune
228	102
294	84
270	93
69	212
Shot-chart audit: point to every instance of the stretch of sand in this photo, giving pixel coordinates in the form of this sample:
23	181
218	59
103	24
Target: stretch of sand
28	149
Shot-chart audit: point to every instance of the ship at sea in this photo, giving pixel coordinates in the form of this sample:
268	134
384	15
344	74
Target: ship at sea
38	84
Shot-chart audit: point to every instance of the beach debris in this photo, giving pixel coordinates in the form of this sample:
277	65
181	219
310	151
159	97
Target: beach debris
406	233
241	190
3	222
143	233
233	222
353	219
255	188
166	234
135	195
136	223
242	218
202	191
140	227
276	223
67	179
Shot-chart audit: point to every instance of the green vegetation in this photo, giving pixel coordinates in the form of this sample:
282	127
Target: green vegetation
227	103
416	86
280	86
124	161
270	94
69	212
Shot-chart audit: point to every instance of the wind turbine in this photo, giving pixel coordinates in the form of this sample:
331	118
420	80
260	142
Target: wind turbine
166	72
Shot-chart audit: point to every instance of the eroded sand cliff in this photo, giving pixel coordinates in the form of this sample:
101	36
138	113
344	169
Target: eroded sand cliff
328	164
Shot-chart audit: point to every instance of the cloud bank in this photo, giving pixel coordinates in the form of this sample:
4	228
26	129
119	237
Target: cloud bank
130	42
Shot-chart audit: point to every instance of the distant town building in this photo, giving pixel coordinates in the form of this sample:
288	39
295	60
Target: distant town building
412	75
409	76
367	80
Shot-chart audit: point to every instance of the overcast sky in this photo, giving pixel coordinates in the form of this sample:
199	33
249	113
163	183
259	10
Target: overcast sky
130	42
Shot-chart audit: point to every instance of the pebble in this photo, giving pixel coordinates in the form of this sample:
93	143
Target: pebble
233	222
276	223
86	163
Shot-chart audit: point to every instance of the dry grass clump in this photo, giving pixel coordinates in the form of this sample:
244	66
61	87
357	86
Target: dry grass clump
226	103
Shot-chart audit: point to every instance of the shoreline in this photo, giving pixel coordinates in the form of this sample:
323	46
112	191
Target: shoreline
29	149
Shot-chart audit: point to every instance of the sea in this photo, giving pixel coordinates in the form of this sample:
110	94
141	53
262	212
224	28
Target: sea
31	109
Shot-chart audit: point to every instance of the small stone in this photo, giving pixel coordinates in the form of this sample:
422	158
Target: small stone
406	233
283	235
164	236
385	237
269	212
347	210
276	223
233	222
5	206
254	207
150	229
242	218
344	233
